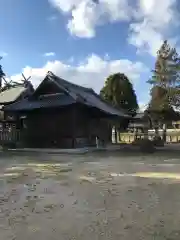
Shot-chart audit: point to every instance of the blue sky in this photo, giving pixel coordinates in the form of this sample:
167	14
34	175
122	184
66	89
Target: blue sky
85	40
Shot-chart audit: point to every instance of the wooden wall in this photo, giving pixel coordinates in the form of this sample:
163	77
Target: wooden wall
68	127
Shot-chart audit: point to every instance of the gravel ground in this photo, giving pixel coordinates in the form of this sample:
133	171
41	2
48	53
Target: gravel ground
103	196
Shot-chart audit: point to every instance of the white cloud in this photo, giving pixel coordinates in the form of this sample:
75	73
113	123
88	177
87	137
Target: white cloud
86	15
49	54
154	22
84	18
145	38
150	21
90	73
65	5
142	106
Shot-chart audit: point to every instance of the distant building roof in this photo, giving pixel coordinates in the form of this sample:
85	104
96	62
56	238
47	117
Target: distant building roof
10	95
140	120
139	115
136	125
75	93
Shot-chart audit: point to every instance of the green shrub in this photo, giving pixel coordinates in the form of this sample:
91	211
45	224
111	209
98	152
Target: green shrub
147	146
137	142
158	142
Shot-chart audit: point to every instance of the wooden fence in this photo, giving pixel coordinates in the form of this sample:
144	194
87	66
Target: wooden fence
171	137
9	137
14	137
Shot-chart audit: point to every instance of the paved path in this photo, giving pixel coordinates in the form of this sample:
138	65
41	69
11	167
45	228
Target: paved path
97	196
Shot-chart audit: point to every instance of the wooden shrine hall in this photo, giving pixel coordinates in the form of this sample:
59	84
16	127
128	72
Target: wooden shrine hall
60	114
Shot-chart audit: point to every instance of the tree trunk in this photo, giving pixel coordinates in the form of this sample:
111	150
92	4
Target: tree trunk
164	131
136	134
145	133
156	132
146	127
115	135
119	136
156	128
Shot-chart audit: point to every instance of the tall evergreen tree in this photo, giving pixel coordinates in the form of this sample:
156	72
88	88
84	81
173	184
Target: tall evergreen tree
2	74
165	85
166	74
119	92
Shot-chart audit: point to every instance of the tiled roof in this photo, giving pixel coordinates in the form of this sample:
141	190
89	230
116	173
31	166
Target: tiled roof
89	97
75	93
11	94
27	104
139	115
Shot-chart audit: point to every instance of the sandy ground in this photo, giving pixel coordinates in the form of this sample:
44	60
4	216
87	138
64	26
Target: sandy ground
103	196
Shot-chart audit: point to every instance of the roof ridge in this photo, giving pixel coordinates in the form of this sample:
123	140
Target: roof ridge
90	90
70	83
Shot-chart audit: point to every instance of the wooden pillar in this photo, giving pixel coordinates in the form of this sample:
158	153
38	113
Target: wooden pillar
74	126
136	133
